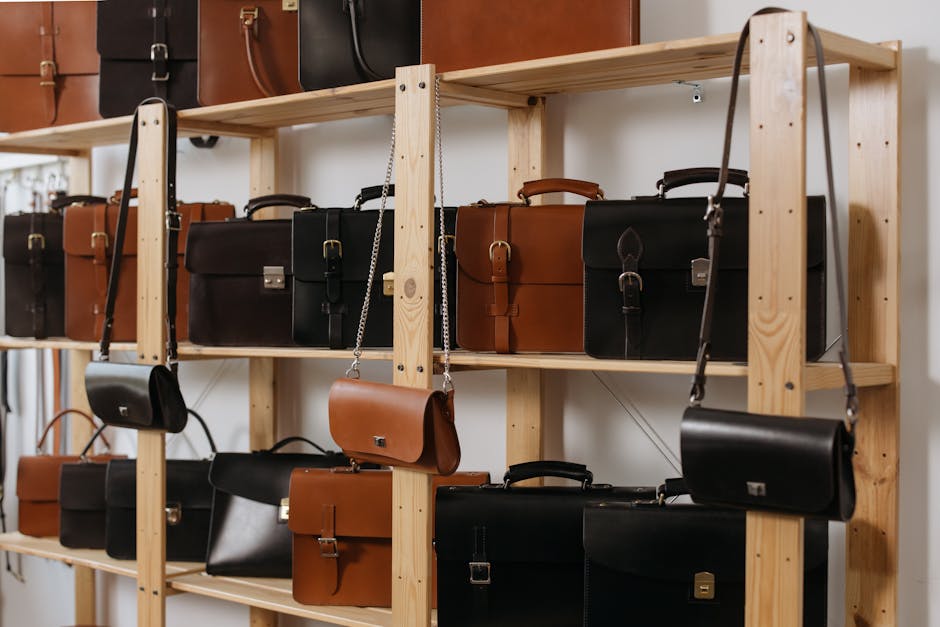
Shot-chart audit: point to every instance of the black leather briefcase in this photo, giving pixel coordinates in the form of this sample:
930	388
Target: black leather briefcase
332	249
148	48
34	275
344	42
510	556
645	266
680	565
249	536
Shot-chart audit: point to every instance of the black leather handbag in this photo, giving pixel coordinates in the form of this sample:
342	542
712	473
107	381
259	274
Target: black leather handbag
81	500
188	506
148	48
645	266
344	42
509	556
332	249
141	396
774	463
646	564
249	536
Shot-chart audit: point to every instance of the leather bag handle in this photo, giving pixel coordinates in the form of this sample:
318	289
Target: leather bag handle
205	429
689	176
371	193
281	444
545	468
277	200
63	202
349	6
587	189
249	17
62	414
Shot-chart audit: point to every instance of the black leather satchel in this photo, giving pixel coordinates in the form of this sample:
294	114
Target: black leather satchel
332	249
148	48
188	506
141	396
509	556
681	565
645	266
344	42
81	500
773	463
249	536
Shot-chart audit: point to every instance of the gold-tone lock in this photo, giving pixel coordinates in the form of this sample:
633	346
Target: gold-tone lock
388	283
288	5
174	514
283	512
703	586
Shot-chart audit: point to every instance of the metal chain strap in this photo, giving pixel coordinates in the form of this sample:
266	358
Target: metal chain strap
445	309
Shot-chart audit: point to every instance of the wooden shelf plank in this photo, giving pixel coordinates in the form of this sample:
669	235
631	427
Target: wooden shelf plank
10	343
49	548
187	350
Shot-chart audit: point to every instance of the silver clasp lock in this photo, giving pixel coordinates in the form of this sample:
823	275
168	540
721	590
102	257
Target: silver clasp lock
174	514
283	512
700	269
274	278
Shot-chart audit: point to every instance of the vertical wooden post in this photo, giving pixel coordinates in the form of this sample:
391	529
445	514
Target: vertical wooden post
874	301
413	341
262	418
776	293
79	176
151	349
527	159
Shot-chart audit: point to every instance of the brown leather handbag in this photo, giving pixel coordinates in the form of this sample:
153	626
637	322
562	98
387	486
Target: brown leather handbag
473	33
520	277
37	482
247	50
89	239
342	525
48	64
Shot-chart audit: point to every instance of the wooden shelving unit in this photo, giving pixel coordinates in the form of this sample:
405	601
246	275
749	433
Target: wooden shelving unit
778	378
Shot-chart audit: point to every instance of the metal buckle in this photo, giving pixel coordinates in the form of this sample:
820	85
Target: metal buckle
97	234
249	18
700	269
153	58
35	237
42	67
442	240
480	573
332	242
703	586
630	276
283	511
174	514
274	278
174	221
500	242
756	488
327	544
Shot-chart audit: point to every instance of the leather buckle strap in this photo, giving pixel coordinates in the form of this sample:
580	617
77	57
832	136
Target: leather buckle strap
47	66
47	77
500	256
335	243
96	235
37	273
480	574
333	305
160	62
630	249
328	548
159	52
495	244
35	237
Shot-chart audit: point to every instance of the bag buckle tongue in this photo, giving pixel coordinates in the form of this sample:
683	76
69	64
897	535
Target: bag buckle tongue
480	573
328	547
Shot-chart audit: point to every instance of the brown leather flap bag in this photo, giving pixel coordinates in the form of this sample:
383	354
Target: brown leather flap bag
519	272
458	34
89	241
342	526
48	64
395	425
37	482
247	50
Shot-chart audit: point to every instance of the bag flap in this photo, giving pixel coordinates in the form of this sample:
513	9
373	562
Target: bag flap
75	52
21	46
82	484
16	232
379	419
521	524
723	451
37	476
187	483
119	393
196	212
362	501
356	232
125	29
673	234
79	224
263	476
545	243
239	247
21	50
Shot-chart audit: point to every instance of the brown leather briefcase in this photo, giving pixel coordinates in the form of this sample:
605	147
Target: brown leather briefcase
342	526
520	276
458	34
37	482
48	64
247	50
88	241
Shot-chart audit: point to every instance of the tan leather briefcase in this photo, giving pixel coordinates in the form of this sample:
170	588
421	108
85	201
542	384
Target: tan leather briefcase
520	277
88	241
48	64
458	34
342	526
247	50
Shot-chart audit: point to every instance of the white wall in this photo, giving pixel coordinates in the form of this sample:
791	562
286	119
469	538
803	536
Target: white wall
623	140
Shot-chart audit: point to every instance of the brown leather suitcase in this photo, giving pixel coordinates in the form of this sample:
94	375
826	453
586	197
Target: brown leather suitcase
520	277
342	526
458	34
48	64
88	242
37	483
247	50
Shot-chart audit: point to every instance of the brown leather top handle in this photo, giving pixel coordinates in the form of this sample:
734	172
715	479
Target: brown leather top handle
62	414
249	18
548	186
